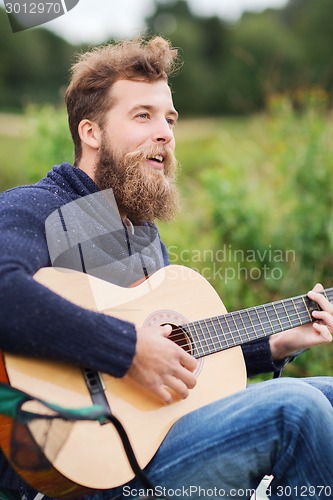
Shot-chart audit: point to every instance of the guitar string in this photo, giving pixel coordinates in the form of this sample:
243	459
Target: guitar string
252	324
192	343
261	324
261	309
225	336
243	331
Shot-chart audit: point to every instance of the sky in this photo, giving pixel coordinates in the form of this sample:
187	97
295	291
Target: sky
94	21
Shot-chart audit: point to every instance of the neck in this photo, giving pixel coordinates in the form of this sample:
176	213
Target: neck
88	163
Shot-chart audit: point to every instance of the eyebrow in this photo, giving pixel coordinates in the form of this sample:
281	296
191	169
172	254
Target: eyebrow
148	107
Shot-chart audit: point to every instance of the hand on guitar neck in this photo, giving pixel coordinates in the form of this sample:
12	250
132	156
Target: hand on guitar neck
303	337
159	364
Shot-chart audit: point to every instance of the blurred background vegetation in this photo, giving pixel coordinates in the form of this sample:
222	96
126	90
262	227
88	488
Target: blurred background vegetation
254	143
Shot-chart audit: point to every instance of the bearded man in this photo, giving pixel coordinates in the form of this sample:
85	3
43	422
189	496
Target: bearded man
121	117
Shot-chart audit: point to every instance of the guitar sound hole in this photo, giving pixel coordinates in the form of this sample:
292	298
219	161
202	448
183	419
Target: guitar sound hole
180	337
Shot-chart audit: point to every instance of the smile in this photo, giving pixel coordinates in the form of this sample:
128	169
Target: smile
156	162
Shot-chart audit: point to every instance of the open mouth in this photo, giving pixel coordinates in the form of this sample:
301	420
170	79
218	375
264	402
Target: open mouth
157	161
157	158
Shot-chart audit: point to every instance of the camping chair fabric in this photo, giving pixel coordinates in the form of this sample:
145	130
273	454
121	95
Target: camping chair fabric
38	431
32	429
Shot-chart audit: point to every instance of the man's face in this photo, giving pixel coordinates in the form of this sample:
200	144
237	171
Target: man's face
137	153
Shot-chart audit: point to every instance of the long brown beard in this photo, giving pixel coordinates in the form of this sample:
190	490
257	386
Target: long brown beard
141	192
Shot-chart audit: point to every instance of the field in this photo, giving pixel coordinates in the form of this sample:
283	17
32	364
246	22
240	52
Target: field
257	208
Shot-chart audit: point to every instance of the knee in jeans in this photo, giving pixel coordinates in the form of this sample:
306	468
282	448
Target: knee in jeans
298	401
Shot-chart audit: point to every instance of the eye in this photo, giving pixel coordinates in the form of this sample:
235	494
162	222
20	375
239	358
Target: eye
143	116
171	121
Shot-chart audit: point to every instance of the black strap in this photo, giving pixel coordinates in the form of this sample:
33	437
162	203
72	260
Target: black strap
139	473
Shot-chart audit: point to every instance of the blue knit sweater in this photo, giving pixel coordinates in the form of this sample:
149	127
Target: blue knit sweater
36	322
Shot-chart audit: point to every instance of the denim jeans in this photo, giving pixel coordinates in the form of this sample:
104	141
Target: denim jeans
281	427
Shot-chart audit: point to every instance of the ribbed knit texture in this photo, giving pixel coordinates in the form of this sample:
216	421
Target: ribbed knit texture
36	322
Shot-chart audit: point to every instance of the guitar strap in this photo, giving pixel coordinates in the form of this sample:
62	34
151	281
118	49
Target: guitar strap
97	392
139	473
96	388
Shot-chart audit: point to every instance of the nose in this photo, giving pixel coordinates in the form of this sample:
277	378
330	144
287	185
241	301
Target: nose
163	133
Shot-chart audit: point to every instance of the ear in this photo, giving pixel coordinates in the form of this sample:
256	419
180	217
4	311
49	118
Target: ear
90	133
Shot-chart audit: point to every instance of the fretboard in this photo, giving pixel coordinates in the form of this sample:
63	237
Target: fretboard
239	327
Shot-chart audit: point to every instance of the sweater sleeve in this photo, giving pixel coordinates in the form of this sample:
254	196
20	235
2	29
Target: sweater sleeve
258	358
37	322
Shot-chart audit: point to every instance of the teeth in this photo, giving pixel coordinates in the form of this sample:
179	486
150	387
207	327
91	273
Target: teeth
158	158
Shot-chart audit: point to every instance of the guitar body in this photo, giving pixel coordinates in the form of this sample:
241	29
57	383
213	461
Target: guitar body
93	455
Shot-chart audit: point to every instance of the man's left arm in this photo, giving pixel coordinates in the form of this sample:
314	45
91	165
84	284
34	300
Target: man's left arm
289	342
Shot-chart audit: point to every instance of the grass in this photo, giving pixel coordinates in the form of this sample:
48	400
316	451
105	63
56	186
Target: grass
14	147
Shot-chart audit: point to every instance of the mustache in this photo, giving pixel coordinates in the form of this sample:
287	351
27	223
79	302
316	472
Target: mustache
142	154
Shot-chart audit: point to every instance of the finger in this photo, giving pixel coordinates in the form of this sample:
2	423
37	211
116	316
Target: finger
323	331
166	330
186	376
163	394
177	386
318	288
321	301
188	361
326	317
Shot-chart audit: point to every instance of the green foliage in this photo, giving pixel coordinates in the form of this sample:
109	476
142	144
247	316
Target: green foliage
233	68
32	143
34	66
49	140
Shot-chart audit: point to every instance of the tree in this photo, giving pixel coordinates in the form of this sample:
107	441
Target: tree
34	66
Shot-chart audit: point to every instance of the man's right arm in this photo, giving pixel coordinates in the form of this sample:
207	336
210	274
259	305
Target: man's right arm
37	322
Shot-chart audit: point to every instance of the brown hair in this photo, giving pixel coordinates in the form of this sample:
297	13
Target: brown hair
88	95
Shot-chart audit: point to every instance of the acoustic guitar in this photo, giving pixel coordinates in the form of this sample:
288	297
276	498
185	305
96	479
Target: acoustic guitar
93	455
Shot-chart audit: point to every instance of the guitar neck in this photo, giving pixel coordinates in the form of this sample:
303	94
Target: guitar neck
236	328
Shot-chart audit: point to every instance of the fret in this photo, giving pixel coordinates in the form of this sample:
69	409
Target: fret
217	335
234	329
299	321
272	326
204	337
225	319
275	320
255	322
301	313
307	309
213	338
226	335
198	342
252	332
266	328
282	302
240	315
277	316
227	331
329	294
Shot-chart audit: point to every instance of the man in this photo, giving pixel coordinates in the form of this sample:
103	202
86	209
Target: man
121	117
